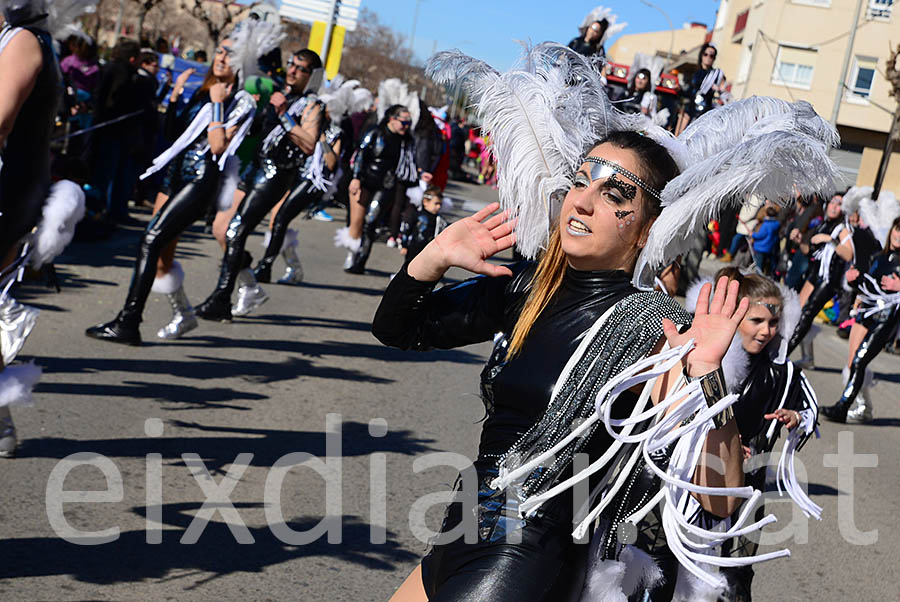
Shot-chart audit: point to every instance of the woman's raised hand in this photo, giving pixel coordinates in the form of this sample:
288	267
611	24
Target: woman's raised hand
467	244
713	327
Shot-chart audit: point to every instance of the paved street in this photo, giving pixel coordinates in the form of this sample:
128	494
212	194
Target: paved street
265	385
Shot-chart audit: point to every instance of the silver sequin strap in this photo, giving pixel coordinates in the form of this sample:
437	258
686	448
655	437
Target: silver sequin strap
621	170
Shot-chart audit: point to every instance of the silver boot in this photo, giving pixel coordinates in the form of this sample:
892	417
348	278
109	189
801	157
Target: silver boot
294	272
8	440
183	317
860	410
16	322
250	294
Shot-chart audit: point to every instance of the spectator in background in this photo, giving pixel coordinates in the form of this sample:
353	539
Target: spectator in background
81	69
114	167
200	56
458	136
765	241
421	227
148	91
747	221
797	231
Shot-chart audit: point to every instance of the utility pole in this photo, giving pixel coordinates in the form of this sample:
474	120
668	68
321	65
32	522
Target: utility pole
839	95
893	77
326	41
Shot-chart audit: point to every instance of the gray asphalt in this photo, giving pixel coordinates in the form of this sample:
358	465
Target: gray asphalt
265	385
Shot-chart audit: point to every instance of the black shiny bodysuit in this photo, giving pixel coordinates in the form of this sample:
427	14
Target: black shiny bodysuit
543	565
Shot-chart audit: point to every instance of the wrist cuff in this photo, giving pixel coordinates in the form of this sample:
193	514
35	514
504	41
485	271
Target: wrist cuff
287	122
714	389
218	112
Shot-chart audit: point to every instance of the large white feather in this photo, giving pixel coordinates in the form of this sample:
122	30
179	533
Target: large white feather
852	198
774	166
251	39
541	117
390	92
62	14
880	214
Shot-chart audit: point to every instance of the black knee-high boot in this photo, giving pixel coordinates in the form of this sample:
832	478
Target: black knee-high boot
817	300
179	212
301	197
373	213
259	201
875	340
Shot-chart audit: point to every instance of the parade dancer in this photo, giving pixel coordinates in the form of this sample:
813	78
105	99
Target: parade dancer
32	90
382	167
597	27
317	177
878	314
215	122
831	251
578	336
773	394
291	126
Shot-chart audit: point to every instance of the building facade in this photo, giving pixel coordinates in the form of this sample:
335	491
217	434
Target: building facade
798	49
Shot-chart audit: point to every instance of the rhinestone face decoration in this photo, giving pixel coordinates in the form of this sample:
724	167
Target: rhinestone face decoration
599	172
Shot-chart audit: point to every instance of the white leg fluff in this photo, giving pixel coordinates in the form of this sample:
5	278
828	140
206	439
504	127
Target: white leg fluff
171	282
342	238
16	383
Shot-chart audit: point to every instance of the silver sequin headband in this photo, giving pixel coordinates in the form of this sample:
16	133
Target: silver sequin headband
774	308
619	169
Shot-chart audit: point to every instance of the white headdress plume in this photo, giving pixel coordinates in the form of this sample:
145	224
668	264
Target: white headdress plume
62	14
599	13
880	214
541	116
852	198
654	64
760	146
344	97
394	92
251	39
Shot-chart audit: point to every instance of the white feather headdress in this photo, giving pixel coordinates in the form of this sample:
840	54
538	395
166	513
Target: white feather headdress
344	97
394	92
599	13
541	117
251	39
851	199
546	112
880	214
62	15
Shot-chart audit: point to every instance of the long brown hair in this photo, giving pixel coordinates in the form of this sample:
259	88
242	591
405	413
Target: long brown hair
210	79
886	249
658	168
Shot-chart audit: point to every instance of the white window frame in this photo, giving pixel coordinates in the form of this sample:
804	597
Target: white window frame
776	70
815	3
880	10
849	94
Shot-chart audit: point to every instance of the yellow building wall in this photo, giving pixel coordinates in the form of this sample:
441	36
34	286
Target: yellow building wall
686	40
868	169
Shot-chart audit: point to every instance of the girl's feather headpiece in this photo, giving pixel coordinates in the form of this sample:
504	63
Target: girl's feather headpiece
394	92
251	39
598	13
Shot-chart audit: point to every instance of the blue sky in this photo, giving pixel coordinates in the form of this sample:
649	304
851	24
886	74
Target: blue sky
487	29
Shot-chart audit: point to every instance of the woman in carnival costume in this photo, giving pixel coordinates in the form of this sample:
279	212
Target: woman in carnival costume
318	176
595	30
878	311
772	393
291	126
32	91
212	127
589	363
383	167
830	254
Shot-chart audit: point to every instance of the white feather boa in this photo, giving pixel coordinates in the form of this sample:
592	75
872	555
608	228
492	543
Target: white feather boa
62	211
17	382
616	580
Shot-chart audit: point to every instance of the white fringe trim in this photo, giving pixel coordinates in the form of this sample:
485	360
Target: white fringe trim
16	383
343	239
171	282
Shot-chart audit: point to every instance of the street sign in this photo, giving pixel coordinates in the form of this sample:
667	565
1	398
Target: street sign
310	11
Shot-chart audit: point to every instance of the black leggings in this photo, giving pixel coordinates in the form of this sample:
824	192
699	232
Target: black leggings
264	195
880	334
302	196
821	294
180	211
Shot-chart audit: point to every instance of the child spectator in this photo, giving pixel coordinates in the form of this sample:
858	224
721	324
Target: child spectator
421	228
765	241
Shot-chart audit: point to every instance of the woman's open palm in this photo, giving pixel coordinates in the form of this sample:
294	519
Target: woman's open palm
469	242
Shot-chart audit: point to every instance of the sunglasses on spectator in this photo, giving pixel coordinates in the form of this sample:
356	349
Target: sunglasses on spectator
299	67
406	122
712	54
